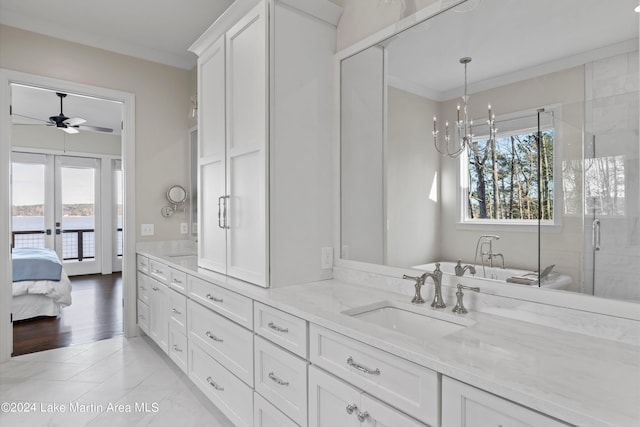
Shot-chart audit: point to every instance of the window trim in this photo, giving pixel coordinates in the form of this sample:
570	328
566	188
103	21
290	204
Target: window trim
554	225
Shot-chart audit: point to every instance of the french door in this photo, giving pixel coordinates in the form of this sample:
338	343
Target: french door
56	204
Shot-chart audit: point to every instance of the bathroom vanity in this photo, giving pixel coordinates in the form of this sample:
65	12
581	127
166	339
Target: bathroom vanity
318	354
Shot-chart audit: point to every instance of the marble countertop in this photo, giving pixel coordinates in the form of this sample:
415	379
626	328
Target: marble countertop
575	378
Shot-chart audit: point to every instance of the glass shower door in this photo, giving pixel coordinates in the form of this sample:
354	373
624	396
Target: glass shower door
611	179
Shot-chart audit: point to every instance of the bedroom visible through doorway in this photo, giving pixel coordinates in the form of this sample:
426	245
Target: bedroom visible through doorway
67	201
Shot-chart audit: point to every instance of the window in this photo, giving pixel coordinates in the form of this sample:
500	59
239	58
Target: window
501	181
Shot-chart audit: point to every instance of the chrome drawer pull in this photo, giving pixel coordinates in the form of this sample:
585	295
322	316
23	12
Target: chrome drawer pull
278	328
176	348
214	385
174	311
277	380
156	271
351	407
211	297
363	416
142	316
213	337
155	288
361	368
143	288
176	281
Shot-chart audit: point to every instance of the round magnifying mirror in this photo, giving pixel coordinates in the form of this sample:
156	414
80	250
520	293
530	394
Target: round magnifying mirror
176	195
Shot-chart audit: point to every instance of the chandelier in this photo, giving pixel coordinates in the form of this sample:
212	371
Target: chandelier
463	138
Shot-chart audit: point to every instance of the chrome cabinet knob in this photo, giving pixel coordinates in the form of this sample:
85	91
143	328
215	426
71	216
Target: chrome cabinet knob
363	416
351	407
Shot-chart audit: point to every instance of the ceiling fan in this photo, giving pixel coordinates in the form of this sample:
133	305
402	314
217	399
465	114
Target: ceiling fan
69	125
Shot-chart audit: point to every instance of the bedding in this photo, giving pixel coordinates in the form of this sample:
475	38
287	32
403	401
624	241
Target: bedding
40	285
35	264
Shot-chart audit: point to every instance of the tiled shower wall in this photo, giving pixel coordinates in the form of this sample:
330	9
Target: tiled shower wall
612	177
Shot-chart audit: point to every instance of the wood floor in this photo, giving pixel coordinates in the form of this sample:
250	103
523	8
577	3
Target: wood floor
95	314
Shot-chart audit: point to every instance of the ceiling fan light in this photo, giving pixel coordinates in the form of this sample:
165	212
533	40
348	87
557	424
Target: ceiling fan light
69	130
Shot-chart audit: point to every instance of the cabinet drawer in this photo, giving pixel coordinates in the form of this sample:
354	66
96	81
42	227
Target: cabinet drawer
464	405
144	287
227	342
405	385
159	271
282	328
233	397
178	280
143	263
230	304
267	415
281	378
178	347
178	311
143	316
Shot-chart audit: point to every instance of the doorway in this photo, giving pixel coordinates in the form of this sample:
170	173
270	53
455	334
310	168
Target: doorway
57	204
127	204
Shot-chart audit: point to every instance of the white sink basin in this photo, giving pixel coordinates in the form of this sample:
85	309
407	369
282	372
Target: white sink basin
416	321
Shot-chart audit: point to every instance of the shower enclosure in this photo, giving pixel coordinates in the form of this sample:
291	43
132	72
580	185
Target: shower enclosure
597	187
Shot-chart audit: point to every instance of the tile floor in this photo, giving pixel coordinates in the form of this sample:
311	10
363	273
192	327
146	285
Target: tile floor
115	382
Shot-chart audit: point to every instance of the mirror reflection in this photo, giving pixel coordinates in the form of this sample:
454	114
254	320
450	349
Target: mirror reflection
522	160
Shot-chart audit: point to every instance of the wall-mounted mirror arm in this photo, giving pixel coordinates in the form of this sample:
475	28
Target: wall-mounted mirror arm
177	196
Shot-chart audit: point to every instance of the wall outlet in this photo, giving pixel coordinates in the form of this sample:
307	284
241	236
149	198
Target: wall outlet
146	230
184	228
326	257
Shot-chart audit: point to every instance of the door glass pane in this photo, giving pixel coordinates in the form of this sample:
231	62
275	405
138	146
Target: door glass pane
27	205
78	213
119	210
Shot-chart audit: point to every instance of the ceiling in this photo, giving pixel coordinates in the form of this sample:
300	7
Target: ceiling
34	106
509	40
155	30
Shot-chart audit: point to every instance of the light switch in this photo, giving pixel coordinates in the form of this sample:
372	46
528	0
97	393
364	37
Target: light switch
146	230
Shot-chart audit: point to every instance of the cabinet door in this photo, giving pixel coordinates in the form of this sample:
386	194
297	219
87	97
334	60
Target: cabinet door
159	322
247	179
466	406
211	158
331	402
377	414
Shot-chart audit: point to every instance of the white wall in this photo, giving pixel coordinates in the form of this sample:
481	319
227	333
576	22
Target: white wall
412	174
162	110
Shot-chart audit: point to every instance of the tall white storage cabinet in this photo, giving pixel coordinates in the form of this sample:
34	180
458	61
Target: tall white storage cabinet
265	72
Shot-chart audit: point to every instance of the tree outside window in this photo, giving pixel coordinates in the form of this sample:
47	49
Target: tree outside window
503	177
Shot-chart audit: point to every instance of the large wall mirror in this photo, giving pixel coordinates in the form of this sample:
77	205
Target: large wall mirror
548	179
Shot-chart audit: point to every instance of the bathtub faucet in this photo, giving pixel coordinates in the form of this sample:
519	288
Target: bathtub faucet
484	248
460	269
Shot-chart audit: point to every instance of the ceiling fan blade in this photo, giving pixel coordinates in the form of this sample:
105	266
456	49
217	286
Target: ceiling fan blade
94	128
30	118
75	121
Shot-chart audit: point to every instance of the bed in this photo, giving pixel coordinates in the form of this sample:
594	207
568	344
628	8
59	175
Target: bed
40	285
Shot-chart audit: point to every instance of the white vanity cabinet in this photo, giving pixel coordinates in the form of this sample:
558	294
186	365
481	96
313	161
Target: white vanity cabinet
263	71
467	406
409	387
333	402
158	312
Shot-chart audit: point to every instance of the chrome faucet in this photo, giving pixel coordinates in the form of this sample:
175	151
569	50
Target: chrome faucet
484	248
436	276
460	269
